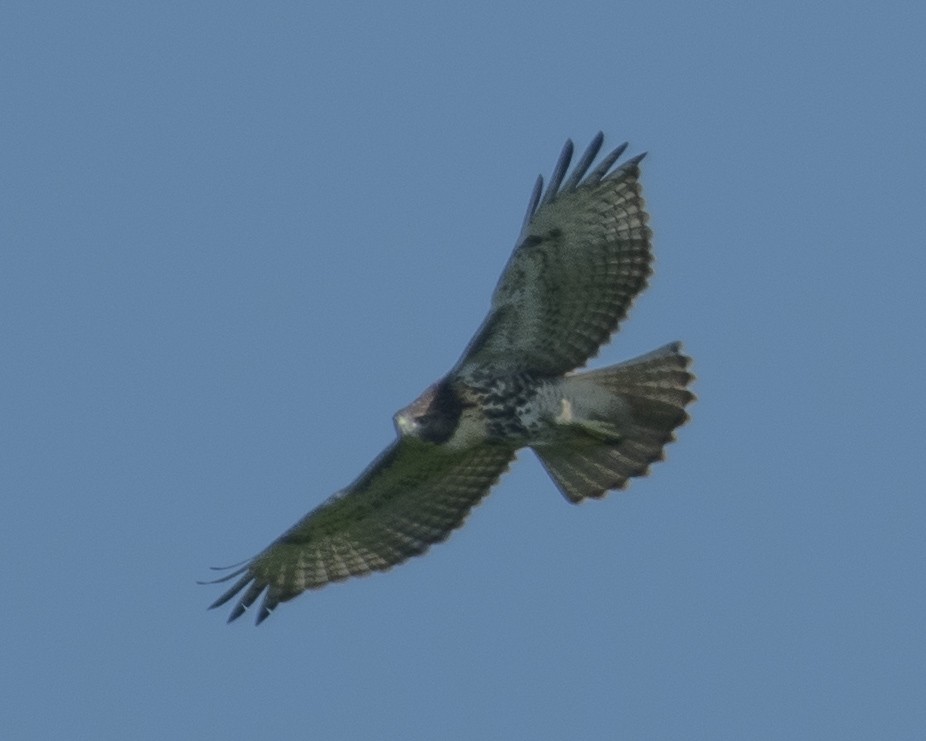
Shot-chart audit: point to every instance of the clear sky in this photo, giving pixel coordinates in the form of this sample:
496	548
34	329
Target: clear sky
234	240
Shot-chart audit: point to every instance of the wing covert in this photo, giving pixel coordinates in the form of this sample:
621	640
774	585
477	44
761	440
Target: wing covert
413	495
581	258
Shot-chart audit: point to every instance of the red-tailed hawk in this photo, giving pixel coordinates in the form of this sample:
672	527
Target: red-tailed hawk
582	256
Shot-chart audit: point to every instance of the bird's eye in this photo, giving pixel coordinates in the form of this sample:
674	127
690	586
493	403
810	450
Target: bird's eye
424	419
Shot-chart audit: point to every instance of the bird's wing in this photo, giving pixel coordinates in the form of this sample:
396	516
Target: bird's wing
414	494
582	256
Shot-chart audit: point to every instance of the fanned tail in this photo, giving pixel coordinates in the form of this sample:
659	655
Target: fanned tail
651	393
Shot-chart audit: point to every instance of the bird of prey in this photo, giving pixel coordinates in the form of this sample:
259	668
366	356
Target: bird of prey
582	256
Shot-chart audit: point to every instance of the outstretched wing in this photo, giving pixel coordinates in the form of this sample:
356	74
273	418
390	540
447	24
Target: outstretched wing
582	257
414	494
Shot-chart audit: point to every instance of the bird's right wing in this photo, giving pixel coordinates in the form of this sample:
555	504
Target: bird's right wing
414	494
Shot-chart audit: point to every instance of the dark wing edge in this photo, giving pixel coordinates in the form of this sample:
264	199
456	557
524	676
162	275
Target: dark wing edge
412	496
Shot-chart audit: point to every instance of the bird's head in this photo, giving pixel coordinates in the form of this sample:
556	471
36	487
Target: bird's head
432	417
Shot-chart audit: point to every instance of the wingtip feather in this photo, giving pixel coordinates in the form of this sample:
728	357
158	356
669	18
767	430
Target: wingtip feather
233	590
534	200
559	172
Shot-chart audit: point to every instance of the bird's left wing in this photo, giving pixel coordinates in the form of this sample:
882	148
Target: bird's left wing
582	256
414	494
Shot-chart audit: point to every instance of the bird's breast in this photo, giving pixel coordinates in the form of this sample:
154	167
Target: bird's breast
503	408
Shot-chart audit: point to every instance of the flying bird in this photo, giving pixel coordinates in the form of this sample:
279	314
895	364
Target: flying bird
581	258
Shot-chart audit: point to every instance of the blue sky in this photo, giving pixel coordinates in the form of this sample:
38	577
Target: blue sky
234	240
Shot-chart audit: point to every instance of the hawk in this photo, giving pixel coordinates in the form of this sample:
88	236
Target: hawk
582	256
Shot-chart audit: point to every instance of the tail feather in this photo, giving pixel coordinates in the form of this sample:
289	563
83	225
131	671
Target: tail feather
653	393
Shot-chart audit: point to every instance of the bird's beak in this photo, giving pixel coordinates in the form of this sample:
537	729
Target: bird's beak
404	425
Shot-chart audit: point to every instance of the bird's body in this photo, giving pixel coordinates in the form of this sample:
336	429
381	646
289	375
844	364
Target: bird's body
506	408
582	256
